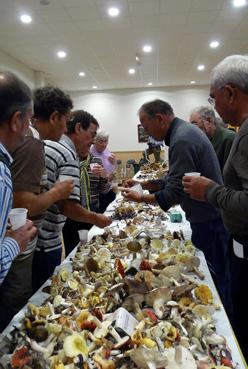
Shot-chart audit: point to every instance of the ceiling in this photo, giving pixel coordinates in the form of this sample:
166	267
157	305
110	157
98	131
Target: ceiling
105	48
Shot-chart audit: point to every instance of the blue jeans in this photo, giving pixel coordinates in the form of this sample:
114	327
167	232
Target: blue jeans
44	264
213	239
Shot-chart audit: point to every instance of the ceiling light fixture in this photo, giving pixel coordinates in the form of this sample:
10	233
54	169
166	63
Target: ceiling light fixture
239	3
25	18
147	48
192	82
94	87
201	67
61	54
131	71
81	74
214	44
149	84
113	12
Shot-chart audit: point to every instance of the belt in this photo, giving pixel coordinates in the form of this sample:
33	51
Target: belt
240	250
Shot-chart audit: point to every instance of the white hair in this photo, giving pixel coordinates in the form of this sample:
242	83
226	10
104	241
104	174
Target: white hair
231	70
101	135
205	112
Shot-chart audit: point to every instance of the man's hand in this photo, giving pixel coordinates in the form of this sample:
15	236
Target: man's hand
98	171
24	234
112	159
131	195
63	189
102	221
196	187
130	183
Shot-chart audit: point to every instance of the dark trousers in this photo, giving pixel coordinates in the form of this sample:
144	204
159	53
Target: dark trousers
44	264
239	280
16	289
70	234
213	239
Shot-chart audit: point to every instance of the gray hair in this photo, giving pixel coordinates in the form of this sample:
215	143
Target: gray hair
205	112
154	107
101	135
231	70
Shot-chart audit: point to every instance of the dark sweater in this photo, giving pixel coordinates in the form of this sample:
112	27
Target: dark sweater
233	199
222	142
189	151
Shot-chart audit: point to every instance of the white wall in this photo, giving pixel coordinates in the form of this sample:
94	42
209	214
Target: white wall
116	110
7	63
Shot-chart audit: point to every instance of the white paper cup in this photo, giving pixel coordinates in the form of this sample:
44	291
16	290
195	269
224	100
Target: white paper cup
193	174
63	178
18	217
83	236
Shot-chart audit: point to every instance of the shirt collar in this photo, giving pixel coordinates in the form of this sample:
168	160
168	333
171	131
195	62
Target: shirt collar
66	139
173	125
5	153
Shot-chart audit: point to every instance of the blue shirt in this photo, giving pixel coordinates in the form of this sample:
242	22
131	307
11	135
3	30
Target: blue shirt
9	248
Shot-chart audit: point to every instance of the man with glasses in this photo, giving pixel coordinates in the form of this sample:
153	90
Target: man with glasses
15	112
229	94
221	138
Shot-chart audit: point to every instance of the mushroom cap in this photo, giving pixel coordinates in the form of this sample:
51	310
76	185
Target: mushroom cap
158	293
134	246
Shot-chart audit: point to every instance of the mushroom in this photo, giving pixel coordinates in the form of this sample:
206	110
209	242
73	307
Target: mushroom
131	300
147	358
134	246
91	265
180	358
135	286
157	298
103	363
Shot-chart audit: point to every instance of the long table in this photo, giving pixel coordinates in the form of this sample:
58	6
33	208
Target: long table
222	323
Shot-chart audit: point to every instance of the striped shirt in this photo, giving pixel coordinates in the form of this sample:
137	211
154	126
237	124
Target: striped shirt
9	248
61	159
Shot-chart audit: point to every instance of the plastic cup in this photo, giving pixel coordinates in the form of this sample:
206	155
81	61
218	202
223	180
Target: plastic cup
93	166
63	178
83	236
193	174
18	217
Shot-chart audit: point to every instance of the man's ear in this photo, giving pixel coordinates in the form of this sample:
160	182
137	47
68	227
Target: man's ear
15	121
54	118
77	128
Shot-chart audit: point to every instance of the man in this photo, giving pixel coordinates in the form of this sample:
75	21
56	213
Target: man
93	183
15	112
189	151
221	138
229	95
51	109
62	159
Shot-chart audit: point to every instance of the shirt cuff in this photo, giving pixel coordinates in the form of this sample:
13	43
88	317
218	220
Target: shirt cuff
12	246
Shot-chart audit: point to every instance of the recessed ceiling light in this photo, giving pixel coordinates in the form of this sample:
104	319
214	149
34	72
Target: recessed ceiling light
131	71
192	82
113	12
25	18
147	48
239	3
214	44
201	67
149	83
61	54
81	74
95	87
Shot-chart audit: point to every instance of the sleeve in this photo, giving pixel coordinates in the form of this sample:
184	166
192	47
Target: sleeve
183	158
227	148
103	185
70	167
9	249
25	175
227	198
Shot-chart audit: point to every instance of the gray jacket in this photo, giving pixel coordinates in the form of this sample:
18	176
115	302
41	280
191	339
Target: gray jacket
232	198
189	151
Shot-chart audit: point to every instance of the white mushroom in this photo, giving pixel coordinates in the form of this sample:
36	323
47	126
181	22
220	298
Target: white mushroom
157	298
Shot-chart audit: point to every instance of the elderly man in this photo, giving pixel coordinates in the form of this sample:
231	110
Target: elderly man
229	95
189	151
15	112
221	138
62	158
